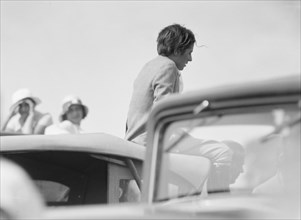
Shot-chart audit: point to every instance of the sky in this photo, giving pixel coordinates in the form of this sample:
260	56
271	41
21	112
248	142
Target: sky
95	49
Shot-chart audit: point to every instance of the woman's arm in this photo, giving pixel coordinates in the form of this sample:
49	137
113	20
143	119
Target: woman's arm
42	124
28	125
164	82
8	118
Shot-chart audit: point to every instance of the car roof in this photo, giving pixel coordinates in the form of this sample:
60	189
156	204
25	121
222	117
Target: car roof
289	85
91	143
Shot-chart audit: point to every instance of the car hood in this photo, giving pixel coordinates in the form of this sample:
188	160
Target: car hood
238	207
216	207
112	211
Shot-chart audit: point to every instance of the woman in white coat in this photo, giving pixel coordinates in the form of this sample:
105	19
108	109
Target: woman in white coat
73	112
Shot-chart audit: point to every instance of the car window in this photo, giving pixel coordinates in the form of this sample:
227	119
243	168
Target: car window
53	191
253	151
66	178
79	178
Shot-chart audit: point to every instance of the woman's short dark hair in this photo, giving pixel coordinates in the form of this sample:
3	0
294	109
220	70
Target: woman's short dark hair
174	38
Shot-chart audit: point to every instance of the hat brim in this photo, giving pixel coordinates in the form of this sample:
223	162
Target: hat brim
35	99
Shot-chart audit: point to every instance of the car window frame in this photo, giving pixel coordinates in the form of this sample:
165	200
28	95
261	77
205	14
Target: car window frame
217	108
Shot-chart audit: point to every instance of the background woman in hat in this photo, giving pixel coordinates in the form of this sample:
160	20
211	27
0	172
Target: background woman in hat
73	112
23	117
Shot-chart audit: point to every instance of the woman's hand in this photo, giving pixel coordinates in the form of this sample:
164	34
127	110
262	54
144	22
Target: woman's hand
28	126
14	111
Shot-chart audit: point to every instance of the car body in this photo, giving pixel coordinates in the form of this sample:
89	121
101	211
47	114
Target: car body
263	117
76	169
192	168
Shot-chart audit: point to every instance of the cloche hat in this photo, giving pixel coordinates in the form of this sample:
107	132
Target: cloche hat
22	94
72	100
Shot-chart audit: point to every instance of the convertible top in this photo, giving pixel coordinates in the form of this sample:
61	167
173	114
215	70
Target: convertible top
90	143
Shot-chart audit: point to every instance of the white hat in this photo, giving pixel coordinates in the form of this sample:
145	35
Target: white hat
72	100
22	94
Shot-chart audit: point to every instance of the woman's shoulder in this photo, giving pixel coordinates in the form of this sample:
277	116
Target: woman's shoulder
15	119
66	124
39	115
161	66
13	124
44	118
162	62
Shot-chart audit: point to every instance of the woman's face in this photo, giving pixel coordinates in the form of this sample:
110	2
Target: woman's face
181	60
24	107
75	114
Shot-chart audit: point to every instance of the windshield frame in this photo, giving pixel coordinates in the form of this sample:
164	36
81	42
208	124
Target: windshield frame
219	112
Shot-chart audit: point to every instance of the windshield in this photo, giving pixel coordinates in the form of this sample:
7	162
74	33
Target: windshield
253	150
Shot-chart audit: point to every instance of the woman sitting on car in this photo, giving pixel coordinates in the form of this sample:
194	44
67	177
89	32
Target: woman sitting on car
73	113
23	117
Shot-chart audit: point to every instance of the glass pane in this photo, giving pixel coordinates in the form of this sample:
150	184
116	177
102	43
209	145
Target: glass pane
53	191
238	152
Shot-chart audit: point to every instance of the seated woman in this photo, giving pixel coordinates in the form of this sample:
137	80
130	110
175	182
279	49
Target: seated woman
227	159
73	113
23	117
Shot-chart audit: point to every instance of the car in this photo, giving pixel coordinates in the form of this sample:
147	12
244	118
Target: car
230	152
260	120
76	169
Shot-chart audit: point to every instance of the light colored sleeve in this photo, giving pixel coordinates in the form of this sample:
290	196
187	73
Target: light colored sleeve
44	122
217	152
165	81
12	125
